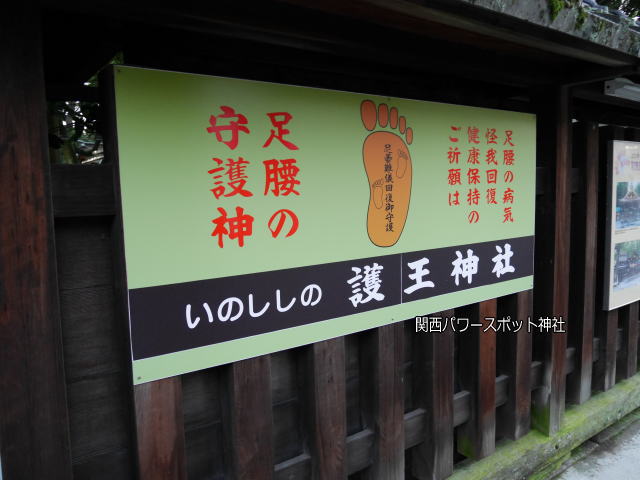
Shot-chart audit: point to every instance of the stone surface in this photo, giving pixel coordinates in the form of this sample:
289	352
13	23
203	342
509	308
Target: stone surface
615	457
535	455
572	19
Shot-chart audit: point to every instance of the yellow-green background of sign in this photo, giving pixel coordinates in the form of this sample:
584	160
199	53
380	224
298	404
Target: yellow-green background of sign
165	153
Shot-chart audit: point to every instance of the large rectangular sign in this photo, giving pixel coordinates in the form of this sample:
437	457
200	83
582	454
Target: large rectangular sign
260	217
622	264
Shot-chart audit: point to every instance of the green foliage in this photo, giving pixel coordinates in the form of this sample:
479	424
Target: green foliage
581	18
73	131
555	7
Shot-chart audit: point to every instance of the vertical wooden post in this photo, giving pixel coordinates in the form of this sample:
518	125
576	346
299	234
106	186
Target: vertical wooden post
433	387
514	360
325	407
248	419
604	370
551	291
477	360
584	263
160	430
383	399
34	426
628	359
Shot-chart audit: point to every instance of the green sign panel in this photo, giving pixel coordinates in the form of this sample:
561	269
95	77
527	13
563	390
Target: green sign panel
260	217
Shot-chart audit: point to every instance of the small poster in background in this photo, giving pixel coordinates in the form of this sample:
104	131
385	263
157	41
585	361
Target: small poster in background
622	270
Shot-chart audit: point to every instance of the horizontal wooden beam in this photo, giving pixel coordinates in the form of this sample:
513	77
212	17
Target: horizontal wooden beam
485	23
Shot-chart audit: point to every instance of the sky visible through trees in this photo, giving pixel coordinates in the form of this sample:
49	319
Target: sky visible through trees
630	7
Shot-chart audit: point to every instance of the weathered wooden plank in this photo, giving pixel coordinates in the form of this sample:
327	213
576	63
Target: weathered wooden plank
99	418
294	468
360	444
551	289
201	405
92	345
604	370
287	395
84	251
381	359
325	407
106	466
205	450
33	407
514	361
433	390
248	419
628	357
584	262
477	356
160	429
82	190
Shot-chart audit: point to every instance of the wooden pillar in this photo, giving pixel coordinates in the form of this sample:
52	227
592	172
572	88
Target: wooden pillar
433	387
248	419
553	238
34	431
584	262
477	360
160	430
325	408
514	360
383	399
628	358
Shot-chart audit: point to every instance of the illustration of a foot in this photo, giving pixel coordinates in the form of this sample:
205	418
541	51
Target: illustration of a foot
387	163
377	192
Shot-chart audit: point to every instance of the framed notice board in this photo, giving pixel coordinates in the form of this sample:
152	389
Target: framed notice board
259	217
622	252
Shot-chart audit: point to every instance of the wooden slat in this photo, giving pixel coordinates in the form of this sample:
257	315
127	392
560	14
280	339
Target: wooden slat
160	430
584	263
248	419
477	375
383	399
628	358
325	408
433	389
514	360
360	444
82	190
604	370
551	290
34	429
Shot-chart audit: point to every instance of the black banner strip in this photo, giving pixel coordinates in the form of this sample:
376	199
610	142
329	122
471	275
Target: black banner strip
172	318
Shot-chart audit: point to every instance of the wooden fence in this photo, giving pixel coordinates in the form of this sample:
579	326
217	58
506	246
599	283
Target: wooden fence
377	404
374	404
